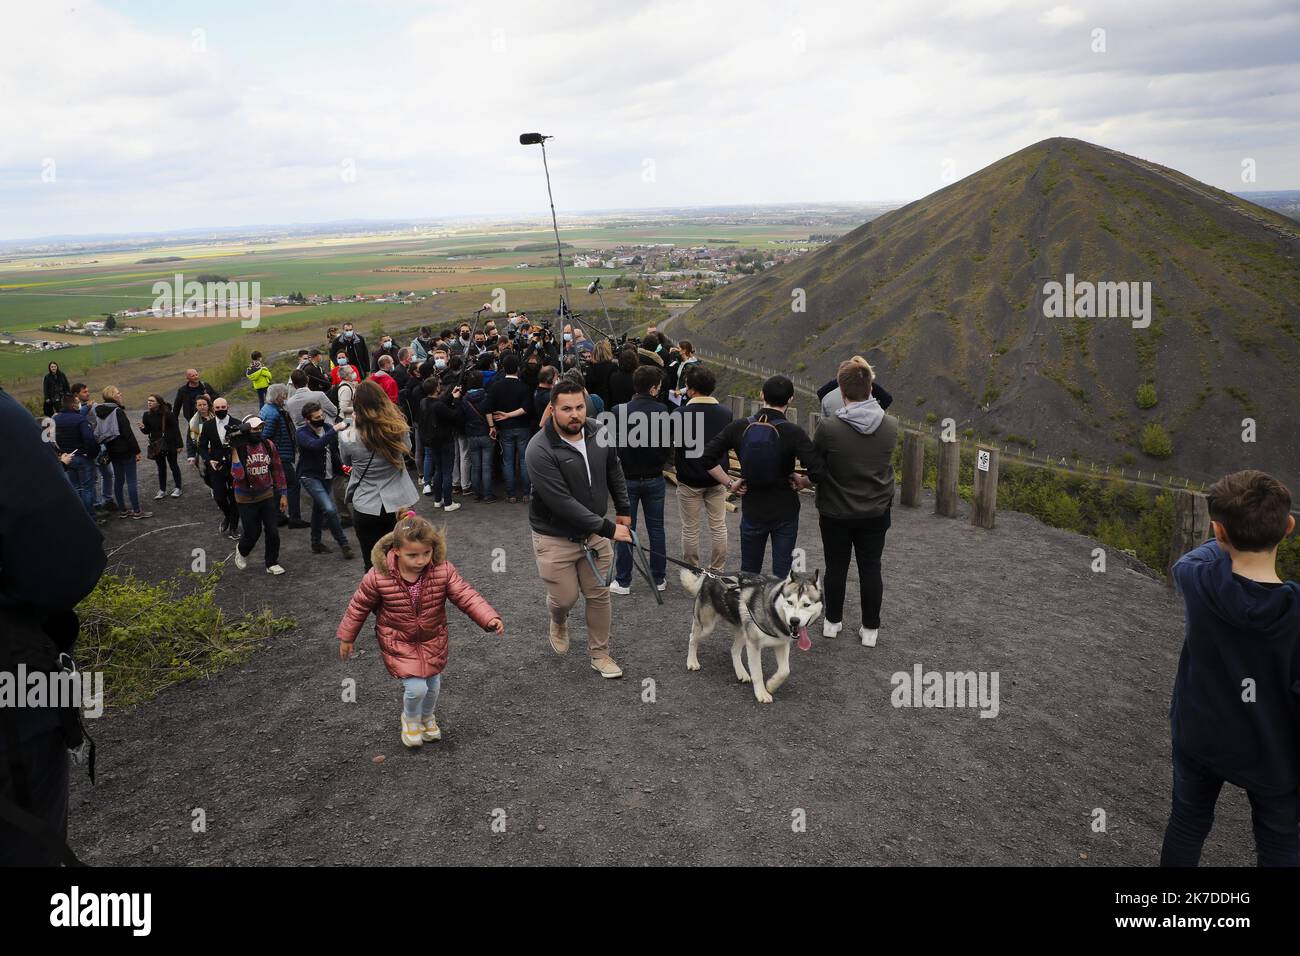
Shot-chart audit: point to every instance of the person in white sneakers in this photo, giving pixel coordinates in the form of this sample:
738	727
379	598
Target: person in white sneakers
407	589
257	478
854	496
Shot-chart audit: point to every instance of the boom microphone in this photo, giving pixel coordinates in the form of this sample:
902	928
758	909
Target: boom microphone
591	289
531	139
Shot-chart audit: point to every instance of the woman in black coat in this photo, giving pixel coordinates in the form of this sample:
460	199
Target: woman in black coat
620	380
165	441
56	386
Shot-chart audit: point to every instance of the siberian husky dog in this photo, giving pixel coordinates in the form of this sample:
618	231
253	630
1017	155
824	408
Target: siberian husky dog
764	611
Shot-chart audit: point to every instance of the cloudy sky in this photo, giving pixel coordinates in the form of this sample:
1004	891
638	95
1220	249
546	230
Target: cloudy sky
125	116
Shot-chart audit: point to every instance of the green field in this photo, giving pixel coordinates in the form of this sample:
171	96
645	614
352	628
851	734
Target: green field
36	292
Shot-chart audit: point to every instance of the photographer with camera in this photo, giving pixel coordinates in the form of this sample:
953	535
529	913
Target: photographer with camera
257	478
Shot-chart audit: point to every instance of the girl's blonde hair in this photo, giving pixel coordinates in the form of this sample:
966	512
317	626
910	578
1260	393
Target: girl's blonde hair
382	428
413	530
603	352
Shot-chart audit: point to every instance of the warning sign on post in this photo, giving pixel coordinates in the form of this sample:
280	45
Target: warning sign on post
982	461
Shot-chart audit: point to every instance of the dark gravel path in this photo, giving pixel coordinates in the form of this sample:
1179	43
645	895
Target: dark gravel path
587	772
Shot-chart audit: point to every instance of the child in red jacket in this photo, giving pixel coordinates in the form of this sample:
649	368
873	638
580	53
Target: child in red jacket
407	589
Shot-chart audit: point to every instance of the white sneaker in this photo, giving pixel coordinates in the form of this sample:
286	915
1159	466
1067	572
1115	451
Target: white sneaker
160	496
241	562
661	586
275	569
437	503
176	493
412	731
831	630
454	506
616	588
428	490
869	635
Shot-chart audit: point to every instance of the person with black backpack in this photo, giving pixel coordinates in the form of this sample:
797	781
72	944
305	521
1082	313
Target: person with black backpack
767	445
41	526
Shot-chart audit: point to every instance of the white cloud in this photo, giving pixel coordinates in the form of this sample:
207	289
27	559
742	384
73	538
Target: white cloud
742	102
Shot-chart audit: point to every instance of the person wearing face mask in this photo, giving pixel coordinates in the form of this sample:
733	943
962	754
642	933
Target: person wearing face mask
353	345
214	448
422	345
386	347
258	479
318	445
341	361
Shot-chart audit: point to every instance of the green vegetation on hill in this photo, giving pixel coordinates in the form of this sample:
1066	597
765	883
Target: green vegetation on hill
144	636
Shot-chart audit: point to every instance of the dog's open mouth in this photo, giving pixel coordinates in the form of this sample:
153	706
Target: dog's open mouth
805	642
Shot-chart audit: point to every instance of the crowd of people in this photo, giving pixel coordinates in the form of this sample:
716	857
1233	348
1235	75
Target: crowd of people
366	434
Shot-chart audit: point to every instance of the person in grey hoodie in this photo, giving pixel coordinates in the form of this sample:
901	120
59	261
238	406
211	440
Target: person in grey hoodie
854	496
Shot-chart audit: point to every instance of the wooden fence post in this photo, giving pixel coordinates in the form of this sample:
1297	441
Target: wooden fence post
813	421
737	406
984	499
1191	525
913	468
755	405
945	490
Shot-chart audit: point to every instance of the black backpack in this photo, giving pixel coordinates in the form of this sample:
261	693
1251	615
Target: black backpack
760	453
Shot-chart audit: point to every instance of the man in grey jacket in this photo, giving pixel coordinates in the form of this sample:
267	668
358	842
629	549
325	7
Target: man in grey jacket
854	496
574	473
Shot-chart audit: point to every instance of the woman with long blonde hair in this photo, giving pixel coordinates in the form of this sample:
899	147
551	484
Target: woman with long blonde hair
376	448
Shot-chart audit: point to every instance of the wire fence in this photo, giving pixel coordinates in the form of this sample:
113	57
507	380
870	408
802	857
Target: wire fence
935	429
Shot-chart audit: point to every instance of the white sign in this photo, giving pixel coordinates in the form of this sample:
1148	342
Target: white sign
983	461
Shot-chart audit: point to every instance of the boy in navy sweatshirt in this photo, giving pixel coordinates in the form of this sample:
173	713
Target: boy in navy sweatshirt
1235	712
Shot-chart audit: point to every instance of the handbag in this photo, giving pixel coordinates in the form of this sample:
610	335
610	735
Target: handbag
352	489
155	449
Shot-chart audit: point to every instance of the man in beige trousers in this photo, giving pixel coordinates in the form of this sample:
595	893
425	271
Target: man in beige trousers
697	491
574	473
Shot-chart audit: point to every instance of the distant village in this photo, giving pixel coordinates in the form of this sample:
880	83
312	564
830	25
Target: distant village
655	270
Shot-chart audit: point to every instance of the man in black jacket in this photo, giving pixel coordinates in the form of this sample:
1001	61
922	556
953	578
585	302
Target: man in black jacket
318	379
770	505
696	488
183	404
352	344
216	452
574	472
51	556
642	423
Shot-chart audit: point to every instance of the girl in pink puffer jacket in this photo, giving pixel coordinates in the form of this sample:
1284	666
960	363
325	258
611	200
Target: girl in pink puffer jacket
407	589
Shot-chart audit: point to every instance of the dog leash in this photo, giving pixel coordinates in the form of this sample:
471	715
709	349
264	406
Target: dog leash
639	561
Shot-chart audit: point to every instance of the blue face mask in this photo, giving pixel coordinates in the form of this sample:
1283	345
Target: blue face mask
439	363
568	336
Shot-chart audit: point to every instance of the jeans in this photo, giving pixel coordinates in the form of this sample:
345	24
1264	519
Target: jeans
224	495
420	695
257	517
841	540
480	465
649	493
124	473
106	479
438	464
515	441
460	463
81	473
323	512
1275	819
753	542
